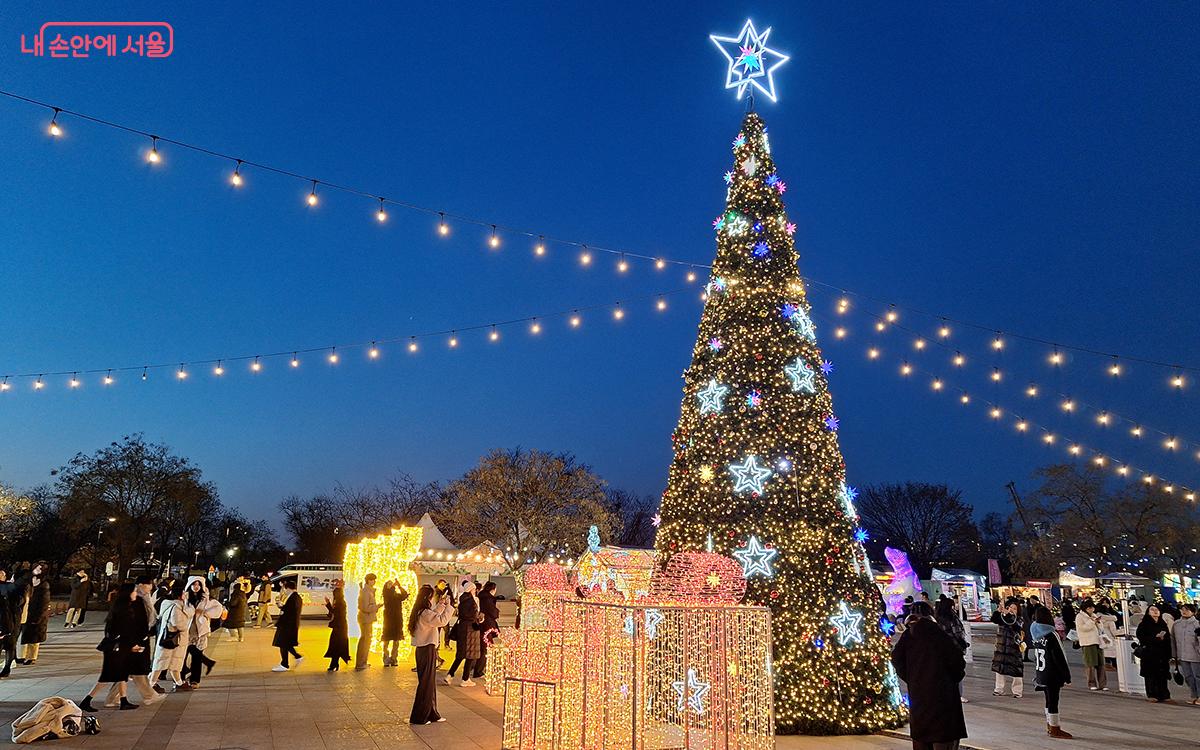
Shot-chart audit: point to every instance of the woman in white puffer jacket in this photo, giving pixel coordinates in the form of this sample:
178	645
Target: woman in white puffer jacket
174	616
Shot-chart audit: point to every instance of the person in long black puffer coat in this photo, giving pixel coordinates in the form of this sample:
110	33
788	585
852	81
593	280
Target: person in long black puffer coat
931	663
1006	660
394	597
37	614
1154	637
287	627
339	628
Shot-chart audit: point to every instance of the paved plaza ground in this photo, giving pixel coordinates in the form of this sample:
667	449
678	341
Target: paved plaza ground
245	705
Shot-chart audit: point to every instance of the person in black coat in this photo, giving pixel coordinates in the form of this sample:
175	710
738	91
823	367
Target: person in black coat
37	615
1006	660
1050	667
394	597
287	627
12	601
931	663
466	633
235	613
339	633
1155	653
490	626
125	637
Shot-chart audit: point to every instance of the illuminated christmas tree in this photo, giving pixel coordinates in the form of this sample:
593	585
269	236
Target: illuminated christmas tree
758	473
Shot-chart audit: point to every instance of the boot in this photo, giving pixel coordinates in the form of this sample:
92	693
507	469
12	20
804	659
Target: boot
86	705
126	705
1058	733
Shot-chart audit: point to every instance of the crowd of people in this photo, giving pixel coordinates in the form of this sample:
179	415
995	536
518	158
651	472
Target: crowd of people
929	656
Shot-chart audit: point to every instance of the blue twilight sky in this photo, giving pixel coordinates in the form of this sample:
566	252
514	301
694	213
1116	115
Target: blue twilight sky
1032	167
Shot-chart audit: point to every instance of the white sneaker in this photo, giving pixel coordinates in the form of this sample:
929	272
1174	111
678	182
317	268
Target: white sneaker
298	660
280	668
1093	688
467	683
448	679
152	700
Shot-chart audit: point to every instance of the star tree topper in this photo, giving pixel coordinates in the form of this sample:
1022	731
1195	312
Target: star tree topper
751	61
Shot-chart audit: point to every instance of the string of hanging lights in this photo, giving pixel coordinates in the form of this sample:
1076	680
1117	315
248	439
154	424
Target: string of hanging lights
1102	417
1022	425
1115	364
332	353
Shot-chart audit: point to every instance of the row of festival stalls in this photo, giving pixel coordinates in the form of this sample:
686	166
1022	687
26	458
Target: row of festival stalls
617	652
966	587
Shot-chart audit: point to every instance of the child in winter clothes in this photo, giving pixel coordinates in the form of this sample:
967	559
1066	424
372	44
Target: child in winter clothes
1050	668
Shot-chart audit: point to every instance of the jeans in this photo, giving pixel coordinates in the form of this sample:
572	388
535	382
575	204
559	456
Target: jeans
73	616
262	613
363	654
1191	676
235	633
1018	684
391	650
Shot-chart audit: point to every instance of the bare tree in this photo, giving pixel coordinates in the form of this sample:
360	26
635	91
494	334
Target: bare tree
634	513
928	521
531	504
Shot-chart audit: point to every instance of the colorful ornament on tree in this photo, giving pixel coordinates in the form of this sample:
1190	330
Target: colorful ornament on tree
772	179
740	140
761	249
729	178
826	367
832	423
790	228
754	399
750	165
715	344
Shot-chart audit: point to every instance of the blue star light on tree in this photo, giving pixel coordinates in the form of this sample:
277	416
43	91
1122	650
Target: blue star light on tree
712	398
691	692
887	626
789	310
715	344
740	140
728	177
754	399
847	495
804	325
772	179
755	558
802	376
758	226
761	249
826	367
831	423
749	475
860	535
848	624
751	61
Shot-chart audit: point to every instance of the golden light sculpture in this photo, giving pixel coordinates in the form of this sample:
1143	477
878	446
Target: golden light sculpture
689	670
389	557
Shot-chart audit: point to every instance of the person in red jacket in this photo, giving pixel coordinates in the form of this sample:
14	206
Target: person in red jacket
1050	667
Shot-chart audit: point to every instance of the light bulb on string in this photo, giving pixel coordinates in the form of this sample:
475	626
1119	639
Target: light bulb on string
235	179
966	399
145	374
873	353
919	344
1075	449
74	381
997	343
944	330
1136	431
381	214
535	327
256	366
585	257
618	313
181	374
443	227
1098	460
55	130
4	384
373	351
660	264
839	332
1123	470
575	320
38	384
622	264
662	303
1170	443
996	376
937	384
108	378
312	194
494	335
1022	425
295	360
905	369
412	344
1056	358
1115	368
892	316
494	240
959	360
1103	418
880	326
1177	381
996	412
1031	391
691	276
153	156
843	305
453	342
1068	405
333	356
540	248
219	370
